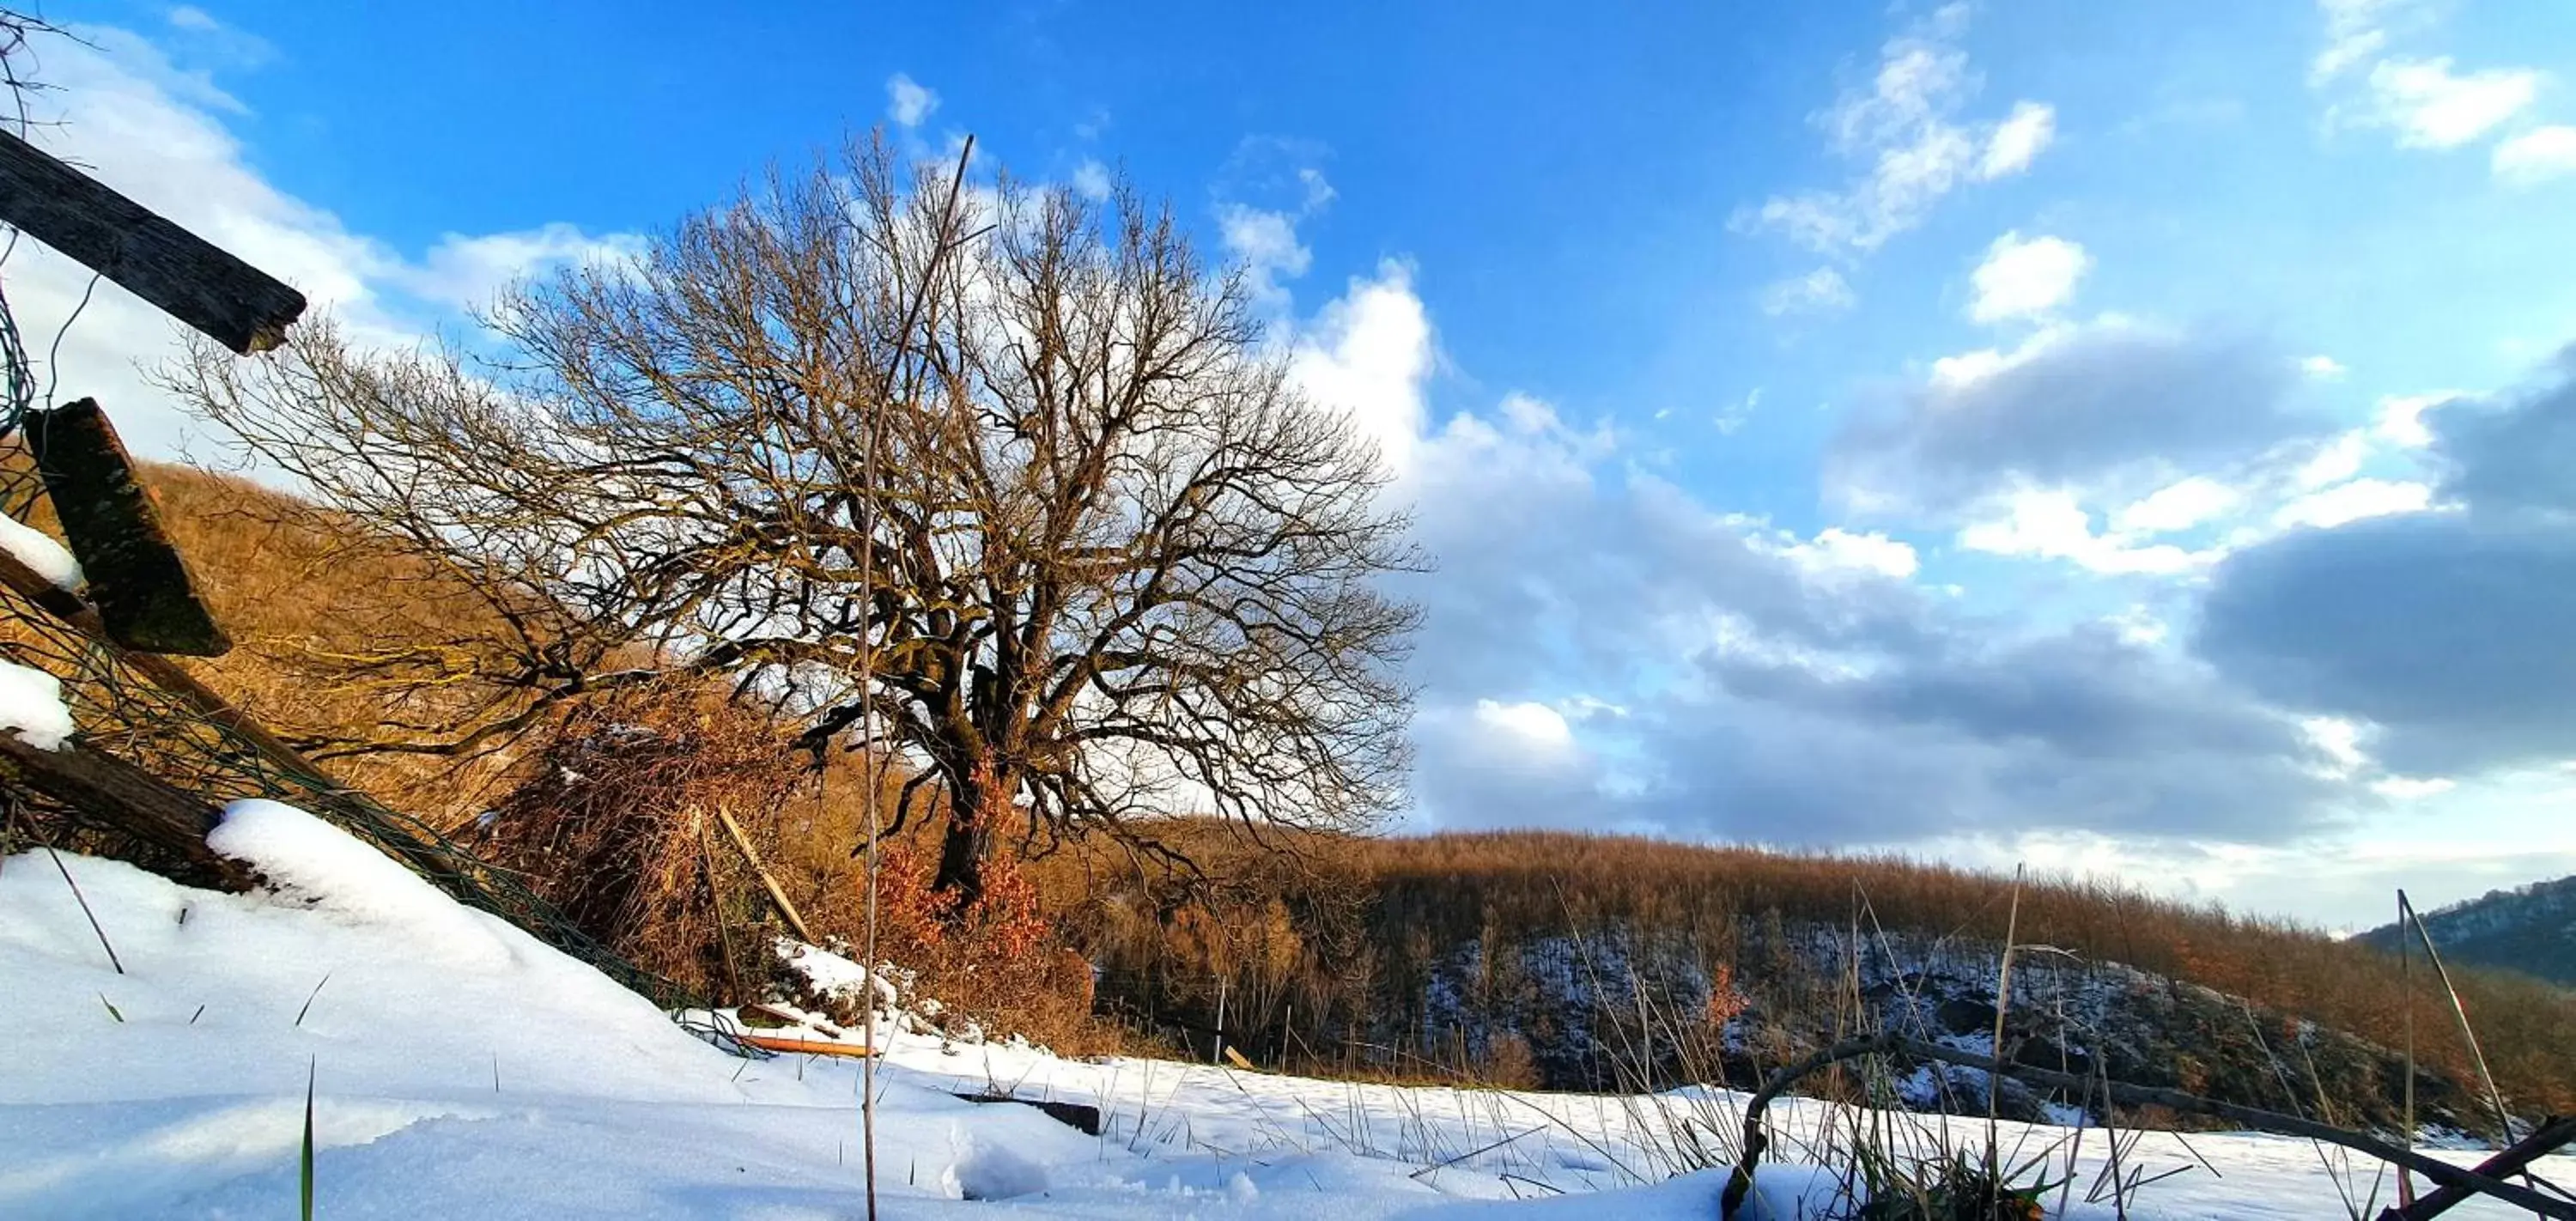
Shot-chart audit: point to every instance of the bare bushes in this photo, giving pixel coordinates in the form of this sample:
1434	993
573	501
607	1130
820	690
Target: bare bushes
614	822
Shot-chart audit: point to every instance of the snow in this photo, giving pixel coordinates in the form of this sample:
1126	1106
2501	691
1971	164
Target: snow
461	1068
31	703
46	557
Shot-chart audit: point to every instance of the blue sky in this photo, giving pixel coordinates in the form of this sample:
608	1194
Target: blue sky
2001	431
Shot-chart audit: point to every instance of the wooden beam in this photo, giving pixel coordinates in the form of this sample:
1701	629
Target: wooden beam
2543	1141
145	591
105	789
188	277
160	671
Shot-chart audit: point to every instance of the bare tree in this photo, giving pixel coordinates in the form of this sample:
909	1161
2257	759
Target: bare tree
1112	563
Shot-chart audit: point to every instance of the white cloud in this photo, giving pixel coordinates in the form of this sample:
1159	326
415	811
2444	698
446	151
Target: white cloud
2433	107
190	17
2026	278
2018	140
2179	506
2355	32
2537	156
1836	551
1822	291
1527	725
1368	354
2401	418
469	272
2050	524
2412	788
1911	146
2334	462
2351	502
2324	368
908	102
1736	415
1091	180
1266	244
2338	739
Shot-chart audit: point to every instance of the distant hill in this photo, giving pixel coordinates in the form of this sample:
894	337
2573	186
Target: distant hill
2529	929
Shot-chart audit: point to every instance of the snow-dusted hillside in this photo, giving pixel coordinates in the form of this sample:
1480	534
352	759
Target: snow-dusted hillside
461	1069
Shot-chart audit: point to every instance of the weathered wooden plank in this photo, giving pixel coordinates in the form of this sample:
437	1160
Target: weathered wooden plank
146	595
2549	1138
188	277
105	789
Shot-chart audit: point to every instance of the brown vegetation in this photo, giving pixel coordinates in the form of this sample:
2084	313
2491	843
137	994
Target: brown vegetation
1351	932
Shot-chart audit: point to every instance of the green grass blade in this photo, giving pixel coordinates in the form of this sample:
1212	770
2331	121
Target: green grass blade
305	1173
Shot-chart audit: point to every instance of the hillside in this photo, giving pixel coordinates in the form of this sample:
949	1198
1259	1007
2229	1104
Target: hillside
2529	929
1591	962
1564	961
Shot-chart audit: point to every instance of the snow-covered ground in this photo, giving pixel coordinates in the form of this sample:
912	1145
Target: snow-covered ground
462	1069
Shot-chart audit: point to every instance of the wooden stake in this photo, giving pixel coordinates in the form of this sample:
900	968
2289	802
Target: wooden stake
786	909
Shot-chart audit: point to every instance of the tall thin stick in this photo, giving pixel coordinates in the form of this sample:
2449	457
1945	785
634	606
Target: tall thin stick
870	766
2406	989
2003	1005
2504	1118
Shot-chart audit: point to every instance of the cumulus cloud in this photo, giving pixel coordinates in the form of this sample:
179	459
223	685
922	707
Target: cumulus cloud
1265	244
2050	524
2111	401
1367	354
2444	630
908	102
2537	156
1910	144
2025	277
2018	140
2352	501
2180	505
1604	650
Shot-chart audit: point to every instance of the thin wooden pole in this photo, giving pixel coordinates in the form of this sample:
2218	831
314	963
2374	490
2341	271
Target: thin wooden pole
2495	1098
777	895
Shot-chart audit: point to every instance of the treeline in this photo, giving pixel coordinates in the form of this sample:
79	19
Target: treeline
1339	953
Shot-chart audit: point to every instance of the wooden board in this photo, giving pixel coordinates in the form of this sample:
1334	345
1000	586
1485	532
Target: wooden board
804	1047
145	592
188	277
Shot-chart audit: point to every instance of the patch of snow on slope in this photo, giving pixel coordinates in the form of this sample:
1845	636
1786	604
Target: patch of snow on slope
309	862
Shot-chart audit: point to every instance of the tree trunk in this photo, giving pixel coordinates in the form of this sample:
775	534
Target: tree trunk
976	803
